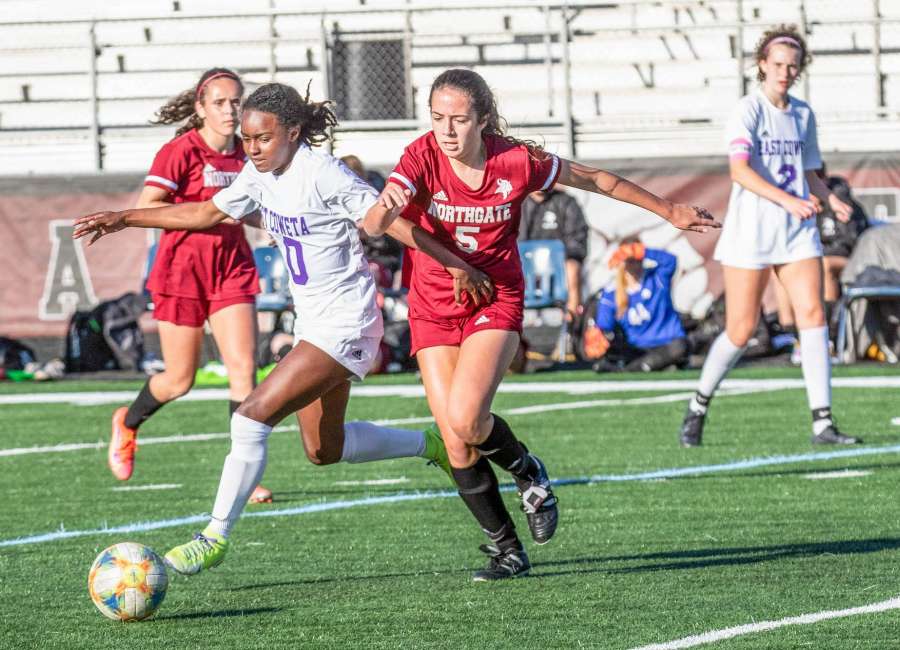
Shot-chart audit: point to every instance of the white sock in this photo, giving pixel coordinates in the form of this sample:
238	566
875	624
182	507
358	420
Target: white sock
816	363
722	356
364	442
243	469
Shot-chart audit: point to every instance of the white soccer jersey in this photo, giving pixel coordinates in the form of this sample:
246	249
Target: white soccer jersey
780	146
312	210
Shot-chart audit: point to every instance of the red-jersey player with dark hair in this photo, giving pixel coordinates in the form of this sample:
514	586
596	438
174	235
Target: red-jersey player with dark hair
465	182
196	276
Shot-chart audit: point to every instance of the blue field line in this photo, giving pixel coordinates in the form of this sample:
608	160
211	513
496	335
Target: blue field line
324	506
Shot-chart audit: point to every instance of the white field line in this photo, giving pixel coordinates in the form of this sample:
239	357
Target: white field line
764	626
324	506
376	481
843	473
512	387
525	410
140	488
895	422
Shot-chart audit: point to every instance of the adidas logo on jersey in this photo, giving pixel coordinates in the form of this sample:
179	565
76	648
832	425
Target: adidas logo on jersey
440	196
482	320
357	354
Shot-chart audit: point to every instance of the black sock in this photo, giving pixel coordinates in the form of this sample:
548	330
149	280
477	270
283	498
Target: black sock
142	408
479	490
233	405
503	448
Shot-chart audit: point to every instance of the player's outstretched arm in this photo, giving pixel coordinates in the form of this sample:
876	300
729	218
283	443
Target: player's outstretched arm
466	278
590	179
181	216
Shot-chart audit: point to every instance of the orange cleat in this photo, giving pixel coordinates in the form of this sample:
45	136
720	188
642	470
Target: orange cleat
261	495
121	446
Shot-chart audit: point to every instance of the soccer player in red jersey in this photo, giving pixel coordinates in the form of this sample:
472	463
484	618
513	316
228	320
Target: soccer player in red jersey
465	182
196	276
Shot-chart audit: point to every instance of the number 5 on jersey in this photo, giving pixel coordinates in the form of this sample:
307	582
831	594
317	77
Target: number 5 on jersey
465	240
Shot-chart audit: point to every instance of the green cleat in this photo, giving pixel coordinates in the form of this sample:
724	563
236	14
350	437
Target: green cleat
200	553
435	451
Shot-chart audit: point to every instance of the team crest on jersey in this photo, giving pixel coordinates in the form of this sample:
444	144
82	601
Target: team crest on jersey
212	177
440	195
504	187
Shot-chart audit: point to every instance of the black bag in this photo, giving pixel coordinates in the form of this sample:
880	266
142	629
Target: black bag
107	337
14	355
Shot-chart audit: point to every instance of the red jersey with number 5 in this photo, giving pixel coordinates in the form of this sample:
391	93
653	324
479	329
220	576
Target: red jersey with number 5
481	224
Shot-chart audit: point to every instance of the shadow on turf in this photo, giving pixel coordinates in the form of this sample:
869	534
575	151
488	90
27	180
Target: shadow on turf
710	557
223	613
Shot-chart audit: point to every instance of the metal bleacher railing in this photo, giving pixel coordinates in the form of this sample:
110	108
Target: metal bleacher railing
596	79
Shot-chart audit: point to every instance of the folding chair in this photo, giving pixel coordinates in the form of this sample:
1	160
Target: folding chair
273	281
846	329
544	267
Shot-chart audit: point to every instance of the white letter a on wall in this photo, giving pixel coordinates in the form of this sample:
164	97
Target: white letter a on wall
67	287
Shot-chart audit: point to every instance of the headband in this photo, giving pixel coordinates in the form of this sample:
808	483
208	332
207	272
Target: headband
218	75
784	40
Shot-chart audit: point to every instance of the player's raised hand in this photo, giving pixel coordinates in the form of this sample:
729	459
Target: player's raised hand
800	208
690	217
473	282
98	224
394	197
841	210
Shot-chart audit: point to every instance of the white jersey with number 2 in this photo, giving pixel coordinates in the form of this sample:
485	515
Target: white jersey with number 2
780	146
312	210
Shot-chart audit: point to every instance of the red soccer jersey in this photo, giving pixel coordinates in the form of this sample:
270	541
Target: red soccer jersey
214	264
481	224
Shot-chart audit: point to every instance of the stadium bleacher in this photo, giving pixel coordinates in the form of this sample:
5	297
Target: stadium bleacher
672	65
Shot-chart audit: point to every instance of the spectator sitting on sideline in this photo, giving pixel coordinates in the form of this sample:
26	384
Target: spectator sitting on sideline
556	215
635	312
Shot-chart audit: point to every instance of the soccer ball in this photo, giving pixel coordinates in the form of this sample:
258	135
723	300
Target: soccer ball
128	582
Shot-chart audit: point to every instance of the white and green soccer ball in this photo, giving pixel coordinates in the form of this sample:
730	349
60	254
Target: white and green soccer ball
128	582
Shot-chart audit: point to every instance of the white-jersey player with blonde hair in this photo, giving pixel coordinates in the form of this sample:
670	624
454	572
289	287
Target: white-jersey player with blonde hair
311	204
775	195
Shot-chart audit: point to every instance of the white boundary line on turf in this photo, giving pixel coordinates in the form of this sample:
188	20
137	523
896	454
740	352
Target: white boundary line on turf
525	410
142	527
83	398
764	626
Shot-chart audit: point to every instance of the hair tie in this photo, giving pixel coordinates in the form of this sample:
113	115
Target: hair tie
218	75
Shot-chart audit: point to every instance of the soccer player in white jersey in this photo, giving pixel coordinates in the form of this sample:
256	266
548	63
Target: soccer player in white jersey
773	154
311	204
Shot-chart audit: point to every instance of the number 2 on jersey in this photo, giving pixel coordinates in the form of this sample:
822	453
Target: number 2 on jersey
293	254
465	240
788	174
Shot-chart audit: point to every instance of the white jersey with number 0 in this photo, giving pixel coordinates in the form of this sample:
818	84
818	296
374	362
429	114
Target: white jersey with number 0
312	210
780	146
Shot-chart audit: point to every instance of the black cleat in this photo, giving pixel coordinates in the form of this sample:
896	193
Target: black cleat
831	436
503	564
539	504
692	429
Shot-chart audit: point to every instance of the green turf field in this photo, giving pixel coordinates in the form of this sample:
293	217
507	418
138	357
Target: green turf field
642	556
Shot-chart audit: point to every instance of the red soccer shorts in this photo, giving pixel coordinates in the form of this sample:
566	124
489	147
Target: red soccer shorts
428	333
191	312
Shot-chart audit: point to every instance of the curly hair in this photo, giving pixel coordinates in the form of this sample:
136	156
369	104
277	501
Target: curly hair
791	37
314	119
484	103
